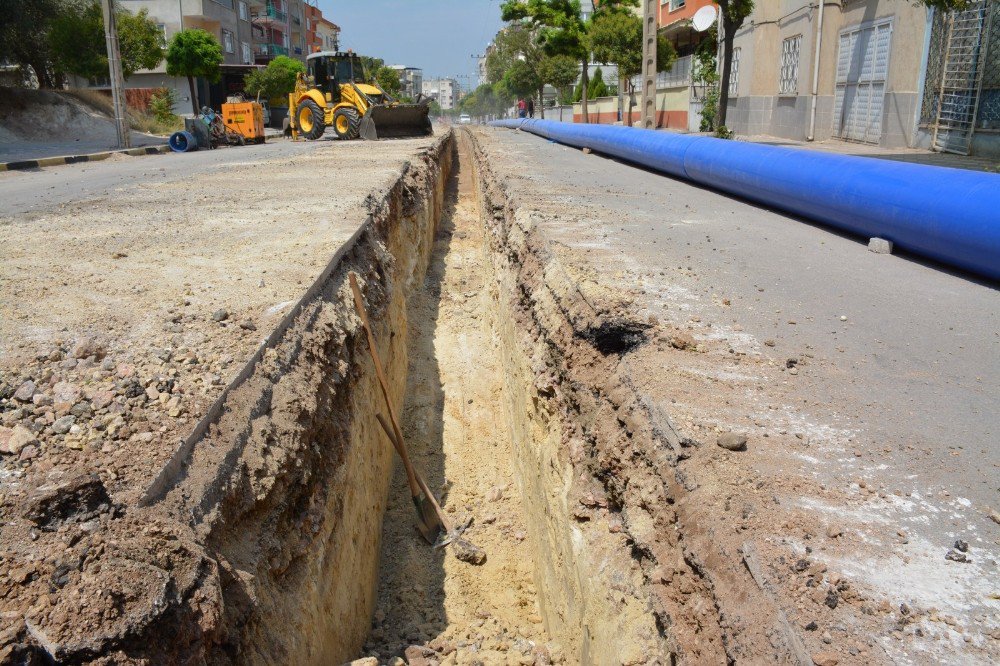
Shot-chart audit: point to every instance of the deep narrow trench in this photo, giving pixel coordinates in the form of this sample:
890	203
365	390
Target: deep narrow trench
458	437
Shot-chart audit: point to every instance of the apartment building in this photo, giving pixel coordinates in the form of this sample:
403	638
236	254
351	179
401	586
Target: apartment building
411	80
228	20
853	71
442	90
280	29
327	34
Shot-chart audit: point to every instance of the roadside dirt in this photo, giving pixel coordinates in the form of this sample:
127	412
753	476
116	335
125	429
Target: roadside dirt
458	437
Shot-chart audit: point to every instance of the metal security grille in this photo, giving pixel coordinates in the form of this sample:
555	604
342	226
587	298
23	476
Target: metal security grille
862	68
734	75
962	85
788	81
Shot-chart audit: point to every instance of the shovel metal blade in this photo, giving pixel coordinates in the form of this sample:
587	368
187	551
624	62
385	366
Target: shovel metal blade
396	122
428	523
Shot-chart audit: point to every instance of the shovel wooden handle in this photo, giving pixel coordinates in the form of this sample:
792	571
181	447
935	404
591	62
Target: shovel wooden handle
420	480
359	305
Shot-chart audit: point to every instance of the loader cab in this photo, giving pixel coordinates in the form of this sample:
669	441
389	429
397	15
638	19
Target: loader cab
330	69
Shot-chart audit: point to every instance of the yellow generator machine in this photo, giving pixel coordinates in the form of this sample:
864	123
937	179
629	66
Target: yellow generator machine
245	119
334	94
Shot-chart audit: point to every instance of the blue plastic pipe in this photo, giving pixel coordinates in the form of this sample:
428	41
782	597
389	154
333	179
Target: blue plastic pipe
949	215
183	142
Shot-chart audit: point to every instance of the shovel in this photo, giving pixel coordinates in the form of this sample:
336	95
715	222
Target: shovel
431	524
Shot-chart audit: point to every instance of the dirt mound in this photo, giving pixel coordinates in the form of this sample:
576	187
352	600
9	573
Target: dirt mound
47	115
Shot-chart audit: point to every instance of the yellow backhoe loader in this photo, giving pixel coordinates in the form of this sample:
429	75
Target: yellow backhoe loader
333	93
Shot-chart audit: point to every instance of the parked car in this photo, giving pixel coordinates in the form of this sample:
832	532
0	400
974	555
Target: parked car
465	119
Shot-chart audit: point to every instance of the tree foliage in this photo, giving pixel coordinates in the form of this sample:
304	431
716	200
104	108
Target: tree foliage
78	44
388	80
560	72
24	36
274	81
194	53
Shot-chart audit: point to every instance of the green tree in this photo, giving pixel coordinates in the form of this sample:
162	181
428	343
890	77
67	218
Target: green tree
24	36
78	44
561	29
513	64
194	53
388	80
274	81
560	72
616	38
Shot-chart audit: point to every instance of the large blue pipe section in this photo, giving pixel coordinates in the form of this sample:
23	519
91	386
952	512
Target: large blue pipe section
950	215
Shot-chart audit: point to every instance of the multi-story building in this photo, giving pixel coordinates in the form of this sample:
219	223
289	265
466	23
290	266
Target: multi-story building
411	80
280	29
441	90
228	20
327	34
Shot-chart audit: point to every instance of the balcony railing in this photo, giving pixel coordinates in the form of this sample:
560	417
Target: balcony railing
270	13
270	50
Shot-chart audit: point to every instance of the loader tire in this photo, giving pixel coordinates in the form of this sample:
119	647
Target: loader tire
309	119
347	123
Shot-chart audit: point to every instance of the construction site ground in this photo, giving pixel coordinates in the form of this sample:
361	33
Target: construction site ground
681	427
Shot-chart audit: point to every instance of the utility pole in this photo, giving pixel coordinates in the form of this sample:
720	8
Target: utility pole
649	24
115	74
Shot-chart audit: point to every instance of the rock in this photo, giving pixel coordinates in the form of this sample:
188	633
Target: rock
879	245
495	493
834	531
366	661
825	659
248	325
417	655
81	409
812	626
66	392
994	516
791	362
468	552
25	391
732	441
832	599
16	439
41	400
62	425
957	556
679	340
152	393
102	399
28	452
220	315
86	348
962	546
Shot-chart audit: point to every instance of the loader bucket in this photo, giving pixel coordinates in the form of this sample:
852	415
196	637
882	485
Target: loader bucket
396	122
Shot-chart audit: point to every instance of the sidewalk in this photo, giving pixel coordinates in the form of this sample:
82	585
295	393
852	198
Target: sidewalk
915	155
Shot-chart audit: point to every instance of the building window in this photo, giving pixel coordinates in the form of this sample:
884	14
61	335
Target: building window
163	30
246	53
227	41
734	73
224	3
788	81
676	4
244	11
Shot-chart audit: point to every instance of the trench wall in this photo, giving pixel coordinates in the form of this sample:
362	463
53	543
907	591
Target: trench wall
262	533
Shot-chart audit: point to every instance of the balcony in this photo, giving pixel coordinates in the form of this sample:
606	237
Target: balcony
269	14
270	50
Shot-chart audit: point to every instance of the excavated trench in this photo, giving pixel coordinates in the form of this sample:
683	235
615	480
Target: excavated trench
282	530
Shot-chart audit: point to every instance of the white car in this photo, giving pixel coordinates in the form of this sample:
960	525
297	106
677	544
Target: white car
465	119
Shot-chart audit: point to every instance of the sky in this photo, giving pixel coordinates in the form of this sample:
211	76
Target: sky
438	36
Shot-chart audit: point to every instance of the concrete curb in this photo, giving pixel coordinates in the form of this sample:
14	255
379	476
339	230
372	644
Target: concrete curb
74	159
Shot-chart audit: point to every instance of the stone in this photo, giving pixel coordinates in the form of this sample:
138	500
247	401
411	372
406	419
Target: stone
66	392
62	425
28	452
957	556
86	348
880	245
102	399
834	531
17	439
25	391
962	546
417	655
220	315
248	325
825	659
679	340
732	441
366	661
468	552
994	516
42	400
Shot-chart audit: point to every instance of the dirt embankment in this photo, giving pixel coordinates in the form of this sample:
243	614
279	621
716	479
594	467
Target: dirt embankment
258	541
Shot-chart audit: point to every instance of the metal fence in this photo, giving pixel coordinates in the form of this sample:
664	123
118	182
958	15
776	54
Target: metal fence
677	76
962	84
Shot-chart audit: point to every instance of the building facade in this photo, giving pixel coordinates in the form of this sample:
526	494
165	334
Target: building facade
442	90
411	80
858	78
327	34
